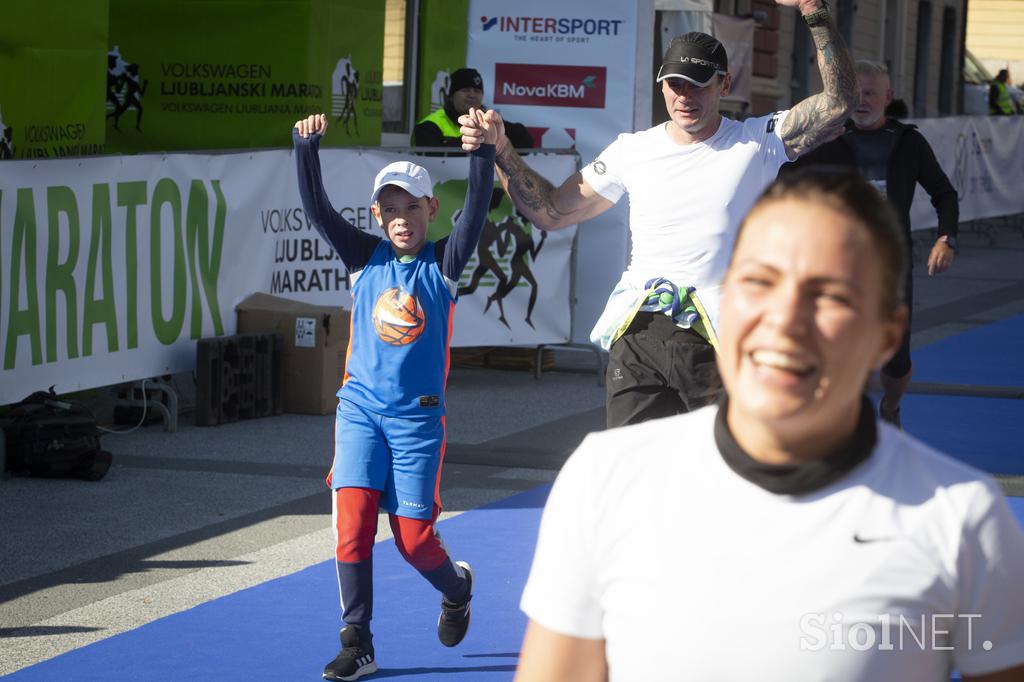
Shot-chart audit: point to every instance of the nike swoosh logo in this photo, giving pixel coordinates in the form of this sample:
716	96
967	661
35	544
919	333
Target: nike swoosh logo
858	538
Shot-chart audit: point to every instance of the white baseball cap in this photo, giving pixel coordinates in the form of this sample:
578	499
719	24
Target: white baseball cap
412	178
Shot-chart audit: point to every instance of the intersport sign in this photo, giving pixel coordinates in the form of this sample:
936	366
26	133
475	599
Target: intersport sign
550	85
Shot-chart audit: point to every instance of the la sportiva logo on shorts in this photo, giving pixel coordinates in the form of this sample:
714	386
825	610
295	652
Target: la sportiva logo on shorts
398	317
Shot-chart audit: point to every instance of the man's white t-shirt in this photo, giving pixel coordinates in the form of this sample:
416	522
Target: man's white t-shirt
910	563
685	204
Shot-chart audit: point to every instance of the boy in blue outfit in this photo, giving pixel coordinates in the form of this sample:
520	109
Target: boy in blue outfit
390	429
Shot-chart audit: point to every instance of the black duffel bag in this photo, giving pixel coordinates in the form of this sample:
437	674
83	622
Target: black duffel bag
53	438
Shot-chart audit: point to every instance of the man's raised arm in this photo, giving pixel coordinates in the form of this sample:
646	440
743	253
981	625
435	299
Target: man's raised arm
546	206
819	118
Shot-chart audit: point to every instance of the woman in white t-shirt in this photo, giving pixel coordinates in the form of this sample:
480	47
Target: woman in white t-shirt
785	534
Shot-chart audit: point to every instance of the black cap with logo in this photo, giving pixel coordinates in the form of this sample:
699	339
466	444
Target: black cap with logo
697	57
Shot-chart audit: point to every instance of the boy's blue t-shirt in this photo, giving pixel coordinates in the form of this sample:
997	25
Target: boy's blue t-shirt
397	361
401	326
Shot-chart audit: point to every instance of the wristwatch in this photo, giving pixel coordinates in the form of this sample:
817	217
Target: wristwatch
818	17
949	241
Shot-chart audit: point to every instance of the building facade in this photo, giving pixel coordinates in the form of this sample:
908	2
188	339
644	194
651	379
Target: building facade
995	29
921	41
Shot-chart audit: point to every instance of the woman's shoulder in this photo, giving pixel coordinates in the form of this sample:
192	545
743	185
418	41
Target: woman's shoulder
649	443
912	469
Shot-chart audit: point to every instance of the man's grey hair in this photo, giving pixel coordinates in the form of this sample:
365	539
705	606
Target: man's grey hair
869	67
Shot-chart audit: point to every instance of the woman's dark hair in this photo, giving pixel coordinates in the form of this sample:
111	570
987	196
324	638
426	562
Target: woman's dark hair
847	193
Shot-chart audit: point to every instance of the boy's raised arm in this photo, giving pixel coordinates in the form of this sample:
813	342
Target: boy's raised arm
353	245
467	228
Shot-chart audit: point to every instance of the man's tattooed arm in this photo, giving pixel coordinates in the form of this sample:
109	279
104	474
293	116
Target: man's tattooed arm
820	118
546	206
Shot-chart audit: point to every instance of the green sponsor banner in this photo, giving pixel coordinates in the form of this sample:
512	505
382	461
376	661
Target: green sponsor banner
209	74
444	28
70	234
51	78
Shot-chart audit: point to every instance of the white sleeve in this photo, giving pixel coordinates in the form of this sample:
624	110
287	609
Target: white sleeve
989	632
561	593
766	131
604	173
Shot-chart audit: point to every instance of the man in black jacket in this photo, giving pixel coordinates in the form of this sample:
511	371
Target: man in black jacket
894	157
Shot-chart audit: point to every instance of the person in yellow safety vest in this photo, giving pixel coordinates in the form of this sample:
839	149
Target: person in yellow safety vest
441	129
999	103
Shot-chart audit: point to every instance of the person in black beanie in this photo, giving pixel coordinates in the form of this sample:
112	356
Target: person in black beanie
441	128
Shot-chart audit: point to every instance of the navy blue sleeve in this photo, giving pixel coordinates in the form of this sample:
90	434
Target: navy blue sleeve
353	245
459	246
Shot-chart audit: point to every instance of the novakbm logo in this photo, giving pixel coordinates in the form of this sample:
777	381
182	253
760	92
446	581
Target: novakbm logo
558	25
550	85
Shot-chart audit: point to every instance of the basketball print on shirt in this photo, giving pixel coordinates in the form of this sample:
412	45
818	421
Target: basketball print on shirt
398	317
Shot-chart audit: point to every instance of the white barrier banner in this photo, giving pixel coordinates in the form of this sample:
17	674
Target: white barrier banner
516	289
982	157
111	268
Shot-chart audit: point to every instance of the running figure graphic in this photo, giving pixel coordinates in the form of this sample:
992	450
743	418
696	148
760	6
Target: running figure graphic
524	245
350	94
6	140
124	89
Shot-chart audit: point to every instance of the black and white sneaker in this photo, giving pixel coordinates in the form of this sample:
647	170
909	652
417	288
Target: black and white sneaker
453	622
355	658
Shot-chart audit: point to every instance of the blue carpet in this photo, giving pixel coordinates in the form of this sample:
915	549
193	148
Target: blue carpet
1017	507
992	355
983	432
287	629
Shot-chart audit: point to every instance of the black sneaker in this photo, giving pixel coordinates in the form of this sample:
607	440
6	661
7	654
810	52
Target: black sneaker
355	658
453	622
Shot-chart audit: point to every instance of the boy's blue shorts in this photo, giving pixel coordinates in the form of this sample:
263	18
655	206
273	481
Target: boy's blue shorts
401	457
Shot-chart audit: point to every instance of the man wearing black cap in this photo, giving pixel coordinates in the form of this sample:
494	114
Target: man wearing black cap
689	181
465	91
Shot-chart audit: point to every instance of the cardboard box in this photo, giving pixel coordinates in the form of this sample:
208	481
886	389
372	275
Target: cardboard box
313	353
